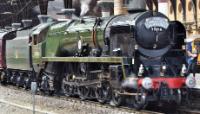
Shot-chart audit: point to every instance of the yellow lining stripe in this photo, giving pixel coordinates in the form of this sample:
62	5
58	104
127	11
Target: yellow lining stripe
84	59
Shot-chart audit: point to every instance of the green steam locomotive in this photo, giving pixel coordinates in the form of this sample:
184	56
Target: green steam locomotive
138	56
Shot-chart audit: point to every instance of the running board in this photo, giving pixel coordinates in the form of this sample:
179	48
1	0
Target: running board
85	59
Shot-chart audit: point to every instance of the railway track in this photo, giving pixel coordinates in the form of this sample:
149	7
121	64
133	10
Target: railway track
186	110
193	106
59	104
94	106
19	108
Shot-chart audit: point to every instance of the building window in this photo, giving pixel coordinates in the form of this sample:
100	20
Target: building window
126	2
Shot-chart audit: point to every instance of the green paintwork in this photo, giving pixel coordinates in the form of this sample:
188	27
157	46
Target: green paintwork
37	53
39	28
38	49
63	39
54	36
17	51
66	35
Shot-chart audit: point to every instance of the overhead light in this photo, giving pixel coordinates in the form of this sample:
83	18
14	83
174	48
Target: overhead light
7	13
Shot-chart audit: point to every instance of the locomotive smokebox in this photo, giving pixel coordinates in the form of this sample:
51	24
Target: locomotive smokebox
152	34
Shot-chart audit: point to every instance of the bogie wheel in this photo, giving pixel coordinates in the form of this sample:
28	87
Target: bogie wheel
187	97
178	96
83	92
116	98
140	99
102	93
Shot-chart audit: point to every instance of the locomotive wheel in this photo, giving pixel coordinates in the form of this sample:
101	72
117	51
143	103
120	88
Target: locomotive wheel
3	78
47	85
116	99
83	92
20	81
102	93
8	77
13	78
186	96
178	96
27	83
68	90
140	100
44	85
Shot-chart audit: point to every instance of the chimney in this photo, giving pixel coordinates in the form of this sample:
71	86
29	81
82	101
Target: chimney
26	23
43	18
119	7
16	26
8	27
106	6
163	7
67	12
